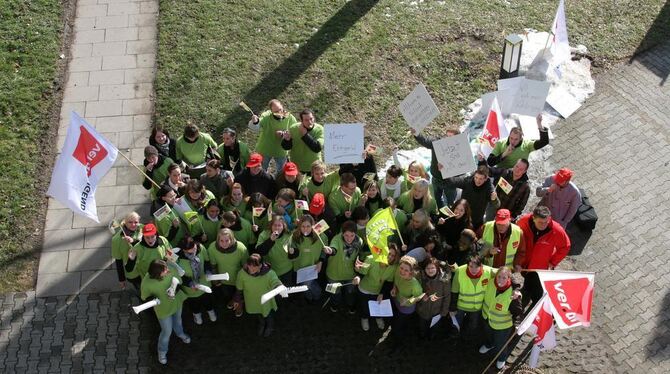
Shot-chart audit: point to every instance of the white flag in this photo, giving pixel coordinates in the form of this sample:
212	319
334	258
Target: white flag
494	129
86	157
560	48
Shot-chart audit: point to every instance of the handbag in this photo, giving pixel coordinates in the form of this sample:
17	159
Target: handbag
586	216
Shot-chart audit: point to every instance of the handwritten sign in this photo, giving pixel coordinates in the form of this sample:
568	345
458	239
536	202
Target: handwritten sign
529	128
454	154
530	97
418	108
505	100
343	143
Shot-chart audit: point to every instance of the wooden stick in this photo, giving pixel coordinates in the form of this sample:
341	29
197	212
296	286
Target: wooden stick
396	225
140	170
547	43
246	107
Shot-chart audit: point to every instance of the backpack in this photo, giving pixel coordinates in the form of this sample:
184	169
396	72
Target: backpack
586	216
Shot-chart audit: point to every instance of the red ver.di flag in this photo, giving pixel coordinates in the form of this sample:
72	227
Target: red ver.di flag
86	158
571	296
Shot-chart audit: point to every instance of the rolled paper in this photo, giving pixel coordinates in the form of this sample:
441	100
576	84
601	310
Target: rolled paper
173	288
203	288
270	294
297	289
179	269
218	277
145	306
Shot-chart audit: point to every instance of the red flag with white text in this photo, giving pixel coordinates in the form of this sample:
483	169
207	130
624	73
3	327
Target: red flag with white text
494	129
571	296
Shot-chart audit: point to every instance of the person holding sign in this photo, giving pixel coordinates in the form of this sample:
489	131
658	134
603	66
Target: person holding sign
129	235
512	187
342	254
304	141
195	148
406	292
255	279
444	195
284	206
167	221
272	124
274	246
436	284
307	248
227	255
234	153
159	283
450	225
502	304
319	210
259	212
194	259
371	199
503	243
373	283
478	191
507	152
344	199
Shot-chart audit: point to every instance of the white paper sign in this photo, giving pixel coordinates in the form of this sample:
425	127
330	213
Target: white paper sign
454	153
343	143
505	100
529	128
418	108
510	83
306	274
561	100
530	97
181	206
382	309
435	320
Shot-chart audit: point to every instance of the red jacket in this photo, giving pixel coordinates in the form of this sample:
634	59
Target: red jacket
550	249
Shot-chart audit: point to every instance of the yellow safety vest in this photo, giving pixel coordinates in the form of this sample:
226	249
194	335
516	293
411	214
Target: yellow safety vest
471	296
496	307
512	243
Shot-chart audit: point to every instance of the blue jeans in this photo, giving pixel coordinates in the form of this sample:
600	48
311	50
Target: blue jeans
279	164
313	290
168	324
497	339
473	320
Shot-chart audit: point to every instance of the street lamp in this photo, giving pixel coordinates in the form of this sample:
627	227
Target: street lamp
509	67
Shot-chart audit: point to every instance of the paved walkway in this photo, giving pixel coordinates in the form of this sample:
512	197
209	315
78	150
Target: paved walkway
110	83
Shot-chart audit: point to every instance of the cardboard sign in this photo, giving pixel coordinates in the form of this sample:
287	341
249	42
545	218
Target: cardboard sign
455	155
504	185
529	128
530	97
564	103
418	108
343	143
163	212
505	100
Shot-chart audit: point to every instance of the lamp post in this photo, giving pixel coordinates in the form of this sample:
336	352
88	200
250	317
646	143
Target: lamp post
511	57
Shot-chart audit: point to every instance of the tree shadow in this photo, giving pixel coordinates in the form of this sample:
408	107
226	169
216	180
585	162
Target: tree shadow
657	34
275	83
657	346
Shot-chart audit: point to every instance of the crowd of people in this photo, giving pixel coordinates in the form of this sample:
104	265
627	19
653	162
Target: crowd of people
461	251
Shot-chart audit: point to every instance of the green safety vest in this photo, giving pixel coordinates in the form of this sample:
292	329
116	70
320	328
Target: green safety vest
496	307
471	296
512	243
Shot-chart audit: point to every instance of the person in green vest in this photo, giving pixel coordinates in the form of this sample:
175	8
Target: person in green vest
502	242
240	227
272	124
209	218
157	284
304	141
151	247
253	280
194	259
319	181
263	207
467	292
342	254
194	148
234	153
502	305
169	225
371	199
418	197
215	180
234	200
344	199
307	250
273	244
197	195
507	152
406	293
156	169
129	234
373	283
227	255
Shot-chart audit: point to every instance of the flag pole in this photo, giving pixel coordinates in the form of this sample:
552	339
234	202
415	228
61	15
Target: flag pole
140	170
547	42
396	225
512	335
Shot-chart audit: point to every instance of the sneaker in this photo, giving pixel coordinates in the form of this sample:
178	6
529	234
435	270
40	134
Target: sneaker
229	305
352	311
162	358
197	318
380	323
333	308
212	315
186	339
500	364
483	349
238	312
365	324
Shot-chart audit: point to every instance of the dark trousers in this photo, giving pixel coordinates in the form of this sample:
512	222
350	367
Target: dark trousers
497	339
362	303
532	288
201	303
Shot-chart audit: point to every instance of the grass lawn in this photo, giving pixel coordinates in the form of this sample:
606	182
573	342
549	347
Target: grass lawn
354	61
30	41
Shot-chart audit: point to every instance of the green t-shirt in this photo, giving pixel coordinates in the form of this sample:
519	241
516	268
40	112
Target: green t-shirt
268	143
407	288
340	265
300	153
211	228
278	255
253	287
195	153
245	234
330	182
374	275
406	203
245	153
338	201
522	151
230	263
159	175
188	272
164	226
120	249
308	252
145	255
157	288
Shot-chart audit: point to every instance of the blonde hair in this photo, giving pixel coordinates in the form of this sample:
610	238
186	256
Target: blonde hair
422	169
427	197
229	233
130	216
409	260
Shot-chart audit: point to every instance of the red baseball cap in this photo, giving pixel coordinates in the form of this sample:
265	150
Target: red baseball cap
318	204
562	176
290	169
255	160
503	216
149	229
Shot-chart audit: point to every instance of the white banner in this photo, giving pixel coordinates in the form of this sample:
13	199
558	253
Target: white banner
86	157
343	143
454	153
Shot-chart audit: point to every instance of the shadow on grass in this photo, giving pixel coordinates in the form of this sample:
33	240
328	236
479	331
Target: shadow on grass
275	82
656	59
